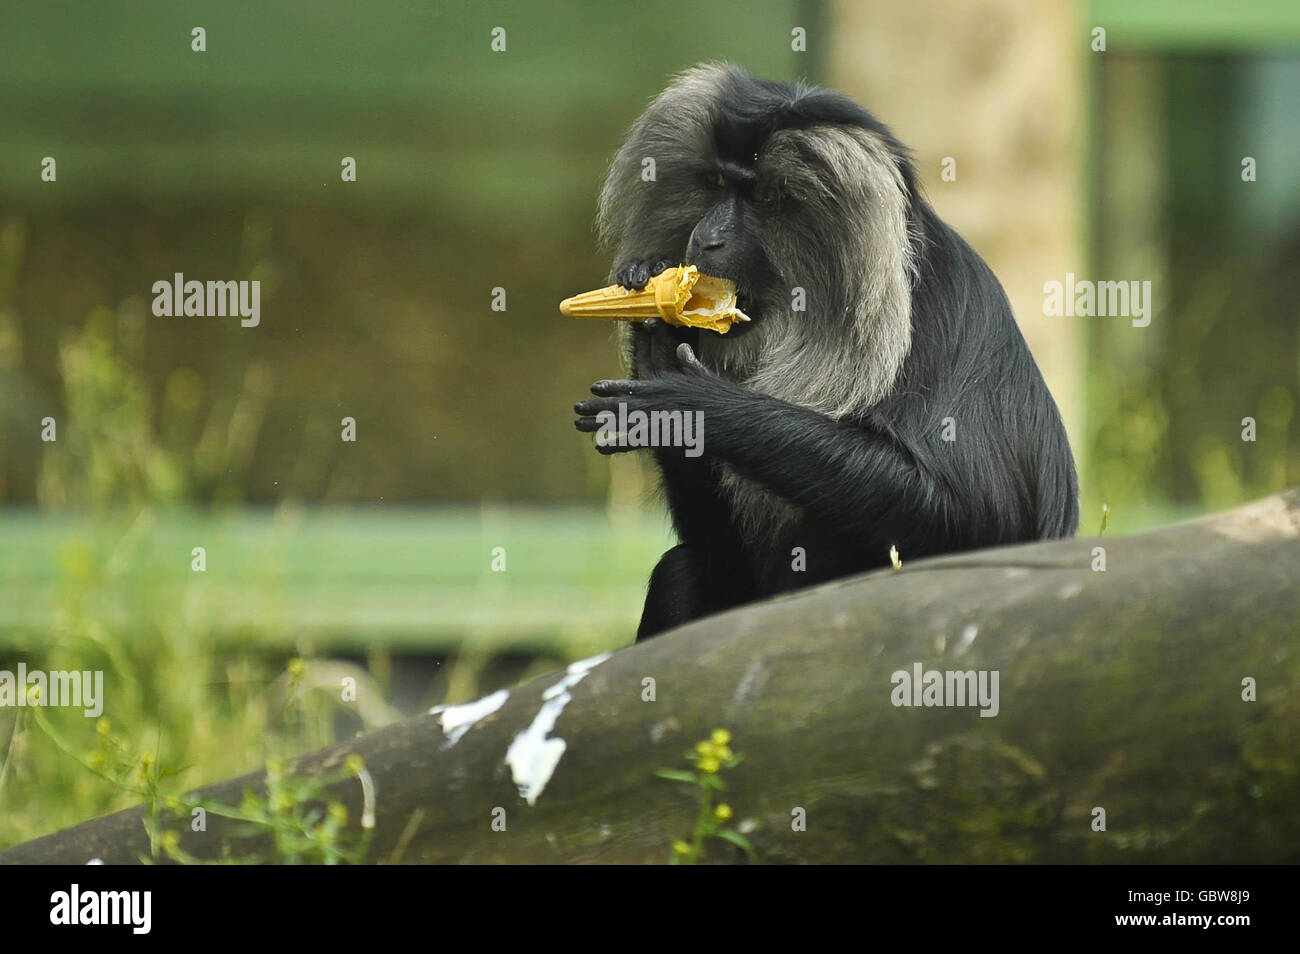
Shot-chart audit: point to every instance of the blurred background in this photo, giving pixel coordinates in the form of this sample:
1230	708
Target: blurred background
469	537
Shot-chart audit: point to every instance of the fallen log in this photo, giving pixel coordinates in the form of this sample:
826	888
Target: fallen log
1163	689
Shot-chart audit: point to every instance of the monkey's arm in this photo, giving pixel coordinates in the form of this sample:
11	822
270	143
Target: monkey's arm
861	480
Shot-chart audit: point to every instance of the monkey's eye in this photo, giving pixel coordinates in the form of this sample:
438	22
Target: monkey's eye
716	180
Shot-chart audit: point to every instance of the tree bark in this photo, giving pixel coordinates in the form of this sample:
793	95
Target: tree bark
1119	689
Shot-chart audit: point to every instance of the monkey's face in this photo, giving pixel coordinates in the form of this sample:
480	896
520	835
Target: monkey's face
799	196
739	202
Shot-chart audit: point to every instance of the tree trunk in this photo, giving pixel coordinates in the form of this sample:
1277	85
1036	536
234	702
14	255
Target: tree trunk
1123	689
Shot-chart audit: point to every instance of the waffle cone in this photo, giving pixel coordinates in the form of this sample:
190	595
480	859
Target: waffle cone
680	296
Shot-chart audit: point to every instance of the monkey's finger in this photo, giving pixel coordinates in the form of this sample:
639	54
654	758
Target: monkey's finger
634	275
616	388
662	266
687	359
605	443
592	407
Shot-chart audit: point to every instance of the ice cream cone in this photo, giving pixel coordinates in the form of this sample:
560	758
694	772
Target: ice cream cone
680	296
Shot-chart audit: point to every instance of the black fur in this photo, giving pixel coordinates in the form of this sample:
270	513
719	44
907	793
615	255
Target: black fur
880	477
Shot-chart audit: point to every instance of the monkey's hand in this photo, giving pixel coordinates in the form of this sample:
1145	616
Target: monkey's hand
687	387
636	273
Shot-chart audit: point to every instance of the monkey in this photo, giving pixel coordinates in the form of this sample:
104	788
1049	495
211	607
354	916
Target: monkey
881	396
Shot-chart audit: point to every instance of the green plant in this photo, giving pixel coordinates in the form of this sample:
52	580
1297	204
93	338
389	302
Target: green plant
709	757
294	812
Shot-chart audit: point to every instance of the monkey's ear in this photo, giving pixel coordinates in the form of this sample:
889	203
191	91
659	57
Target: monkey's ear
686	358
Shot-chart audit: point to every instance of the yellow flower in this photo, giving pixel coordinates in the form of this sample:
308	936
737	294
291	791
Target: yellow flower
297	667
705	748
722	812
720	737
724	753
709	765
171	841
354	763
102	727
338	812
681	848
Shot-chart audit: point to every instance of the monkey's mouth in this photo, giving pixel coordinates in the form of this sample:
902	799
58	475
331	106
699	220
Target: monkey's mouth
751	309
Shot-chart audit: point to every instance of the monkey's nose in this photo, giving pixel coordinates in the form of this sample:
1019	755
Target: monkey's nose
700	244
